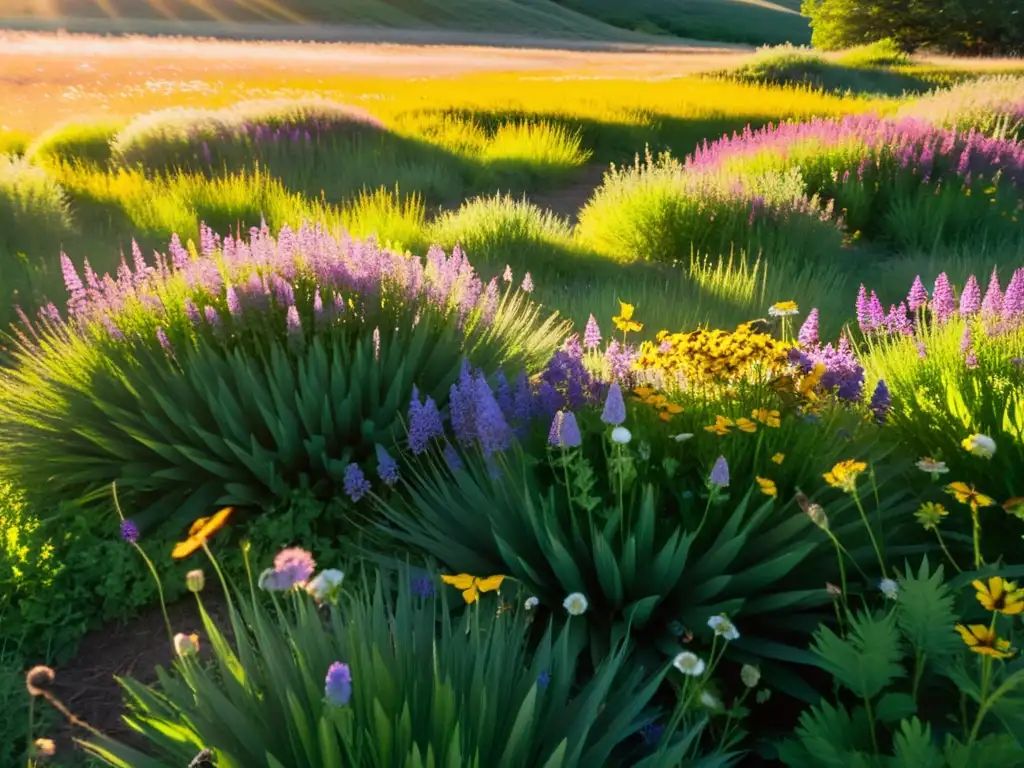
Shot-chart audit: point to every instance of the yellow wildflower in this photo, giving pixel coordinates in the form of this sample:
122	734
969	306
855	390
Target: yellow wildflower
643	392
930	515
999	596
968	494
844	475
778	458
624	320
767	487
201	530
472	586
746	425
984	640
783	309
767	417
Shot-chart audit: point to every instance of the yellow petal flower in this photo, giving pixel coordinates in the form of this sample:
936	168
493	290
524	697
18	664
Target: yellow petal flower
767	486
746	425
778	458
201	530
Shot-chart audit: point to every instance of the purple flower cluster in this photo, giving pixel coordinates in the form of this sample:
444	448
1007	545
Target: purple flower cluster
843	376
933	153
565	384
476	415
230	277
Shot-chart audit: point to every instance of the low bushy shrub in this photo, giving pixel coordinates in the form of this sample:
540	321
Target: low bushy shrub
907	182
657	211
248	369
882	53
992	105
194	138
77	142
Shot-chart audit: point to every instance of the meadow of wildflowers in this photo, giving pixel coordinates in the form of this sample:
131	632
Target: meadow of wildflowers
488	535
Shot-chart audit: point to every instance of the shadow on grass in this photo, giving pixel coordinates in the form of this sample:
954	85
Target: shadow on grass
819	74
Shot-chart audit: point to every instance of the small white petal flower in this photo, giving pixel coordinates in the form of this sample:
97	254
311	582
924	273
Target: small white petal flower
750	675
980	445
723	627
689	664
325	585
710	700
531	603
932	466
186	644
576	604
621	435
682	437
889	588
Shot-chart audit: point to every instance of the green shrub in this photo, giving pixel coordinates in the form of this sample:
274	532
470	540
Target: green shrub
657	211
960	26
903	672
392	679
882	53
76	143
637	528
252	369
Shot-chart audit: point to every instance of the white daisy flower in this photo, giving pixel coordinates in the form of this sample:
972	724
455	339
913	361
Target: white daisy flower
723	627
576	604
689	664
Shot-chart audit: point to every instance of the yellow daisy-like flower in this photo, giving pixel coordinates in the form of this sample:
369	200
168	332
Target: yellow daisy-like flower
844	475
930	515
643	392
783	309
778	458
721	425
968	494
999	596
984	640
472	586
746	425
624	320
201	530
767	487
767	417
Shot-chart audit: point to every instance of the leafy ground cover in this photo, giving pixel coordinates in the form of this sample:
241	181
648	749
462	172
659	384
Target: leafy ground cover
811	399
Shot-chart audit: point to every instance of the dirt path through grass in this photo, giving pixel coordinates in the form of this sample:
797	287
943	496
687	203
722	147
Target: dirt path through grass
568	199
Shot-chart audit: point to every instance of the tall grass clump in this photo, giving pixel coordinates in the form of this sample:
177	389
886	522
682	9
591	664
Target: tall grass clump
657	211
189	138
519	155
237	372
501	230
801	66
76	142
881	53
34	220
993	105
905	182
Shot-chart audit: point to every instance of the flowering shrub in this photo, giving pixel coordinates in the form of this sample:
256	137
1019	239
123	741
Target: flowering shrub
603	521
954	362
203	138
905	181
339	686
658	212
992	105
237	373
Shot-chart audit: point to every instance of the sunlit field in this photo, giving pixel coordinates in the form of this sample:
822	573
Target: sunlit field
475	306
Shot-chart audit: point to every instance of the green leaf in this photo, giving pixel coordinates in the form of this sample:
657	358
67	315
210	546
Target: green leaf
866	662
925	613
914	747
893	707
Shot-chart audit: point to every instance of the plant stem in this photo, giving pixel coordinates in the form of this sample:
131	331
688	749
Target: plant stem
942	544
919	659
160	591
31	727
871	533
871	722
986	673
220	575
976	530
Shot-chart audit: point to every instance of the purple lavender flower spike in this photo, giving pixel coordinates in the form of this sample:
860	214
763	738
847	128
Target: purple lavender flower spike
293	322
565	432
234	305
971	359
808	335
943	304
922	350
129	531
424	423
387	467
965	340
491	428
881	402
863	315
507	276
179	256
192	312
591	335
212	318
720	473
876	312
161	336
614	406
992	306
460	406
970	298
527	285
918	296
356	485
1013	299
72	281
